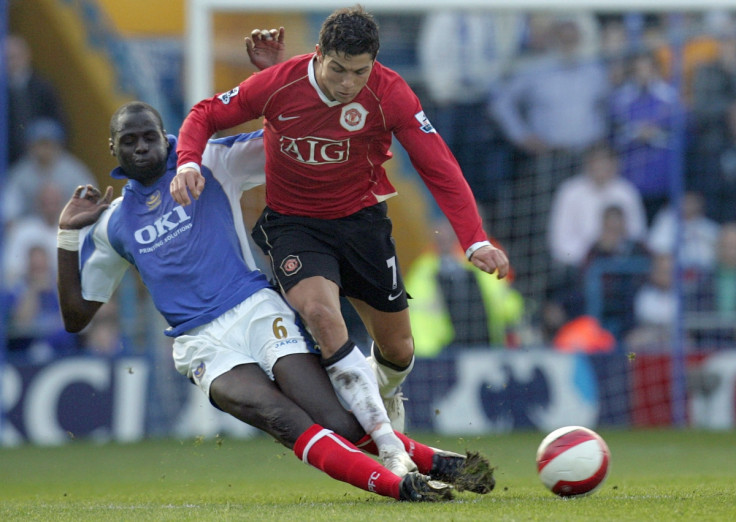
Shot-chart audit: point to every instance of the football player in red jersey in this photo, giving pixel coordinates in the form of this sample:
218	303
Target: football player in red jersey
330	117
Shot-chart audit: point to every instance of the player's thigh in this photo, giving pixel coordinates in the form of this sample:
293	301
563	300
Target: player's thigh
248	394
391	331
302	378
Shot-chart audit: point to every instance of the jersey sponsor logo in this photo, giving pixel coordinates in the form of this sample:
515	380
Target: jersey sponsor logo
392	297
315	151
291	265
225	97
154	200
353	116
164	228
424	123
286	118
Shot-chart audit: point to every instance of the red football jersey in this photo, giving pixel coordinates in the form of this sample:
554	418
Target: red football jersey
324	158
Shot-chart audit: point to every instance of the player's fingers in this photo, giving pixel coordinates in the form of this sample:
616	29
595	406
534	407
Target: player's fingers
281	34
502	265
179	192
78	191
265	34
198	186
108	195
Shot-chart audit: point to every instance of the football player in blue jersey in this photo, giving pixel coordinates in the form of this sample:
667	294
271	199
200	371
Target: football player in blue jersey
234	336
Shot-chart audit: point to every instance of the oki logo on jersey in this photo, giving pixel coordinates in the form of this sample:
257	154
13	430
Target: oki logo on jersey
353	116
225	97
315	151
424	122
162	226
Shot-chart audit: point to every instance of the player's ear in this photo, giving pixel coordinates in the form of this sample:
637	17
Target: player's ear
112	146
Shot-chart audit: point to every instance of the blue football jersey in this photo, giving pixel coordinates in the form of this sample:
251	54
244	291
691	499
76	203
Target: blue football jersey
196	260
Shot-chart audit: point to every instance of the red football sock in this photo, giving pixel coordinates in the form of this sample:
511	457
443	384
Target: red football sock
341	460
420	453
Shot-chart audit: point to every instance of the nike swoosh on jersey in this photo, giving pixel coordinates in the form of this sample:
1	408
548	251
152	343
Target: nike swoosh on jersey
285	118
394	297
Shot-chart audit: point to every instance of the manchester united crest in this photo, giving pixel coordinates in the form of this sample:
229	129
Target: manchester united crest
353	116
291	265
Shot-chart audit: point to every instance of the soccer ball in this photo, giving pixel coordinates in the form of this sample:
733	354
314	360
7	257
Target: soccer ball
573	461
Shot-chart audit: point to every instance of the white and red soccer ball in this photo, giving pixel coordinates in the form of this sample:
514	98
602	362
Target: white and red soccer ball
573	461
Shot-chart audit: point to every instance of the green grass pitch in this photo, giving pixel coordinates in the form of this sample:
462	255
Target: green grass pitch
655	475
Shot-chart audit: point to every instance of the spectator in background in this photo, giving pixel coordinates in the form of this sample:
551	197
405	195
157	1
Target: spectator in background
30	96
555	102
35	229
697	236
655	307
723	287
35	328
714	94
455	303
473	62
46	162
576	214
642	119
551	108
715	174
617	285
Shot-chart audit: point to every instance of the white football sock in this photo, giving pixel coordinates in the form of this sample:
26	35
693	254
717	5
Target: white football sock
355	383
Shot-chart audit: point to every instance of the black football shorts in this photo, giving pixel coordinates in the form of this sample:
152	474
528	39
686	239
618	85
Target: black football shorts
356	252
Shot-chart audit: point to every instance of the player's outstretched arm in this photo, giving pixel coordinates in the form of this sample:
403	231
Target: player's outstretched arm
266	48
83	209
491	259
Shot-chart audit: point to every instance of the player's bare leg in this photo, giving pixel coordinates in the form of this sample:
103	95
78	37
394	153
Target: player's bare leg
392	355
317	300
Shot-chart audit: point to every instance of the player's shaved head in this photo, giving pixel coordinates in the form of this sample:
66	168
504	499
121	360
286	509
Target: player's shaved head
134	107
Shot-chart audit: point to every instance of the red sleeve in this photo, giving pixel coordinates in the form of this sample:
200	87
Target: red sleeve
437	166
221	112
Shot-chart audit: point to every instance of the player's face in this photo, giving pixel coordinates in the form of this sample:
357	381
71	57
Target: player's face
341	76
141	147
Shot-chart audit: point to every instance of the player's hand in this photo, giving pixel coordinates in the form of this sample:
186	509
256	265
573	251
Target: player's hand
85	207
491	259
186	181
266	48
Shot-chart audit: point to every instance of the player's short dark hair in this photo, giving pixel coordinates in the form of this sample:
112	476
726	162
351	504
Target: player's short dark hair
350	31
133	107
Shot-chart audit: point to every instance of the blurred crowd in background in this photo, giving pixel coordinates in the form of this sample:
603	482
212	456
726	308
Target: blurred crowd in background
601	149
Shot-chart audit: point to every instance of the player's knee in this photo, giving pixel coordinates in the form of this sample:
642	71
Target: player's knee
320	316
398	350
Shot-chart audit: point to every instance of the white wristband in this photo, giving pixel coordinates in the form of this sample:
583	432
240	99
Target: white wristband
476	246
67	239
